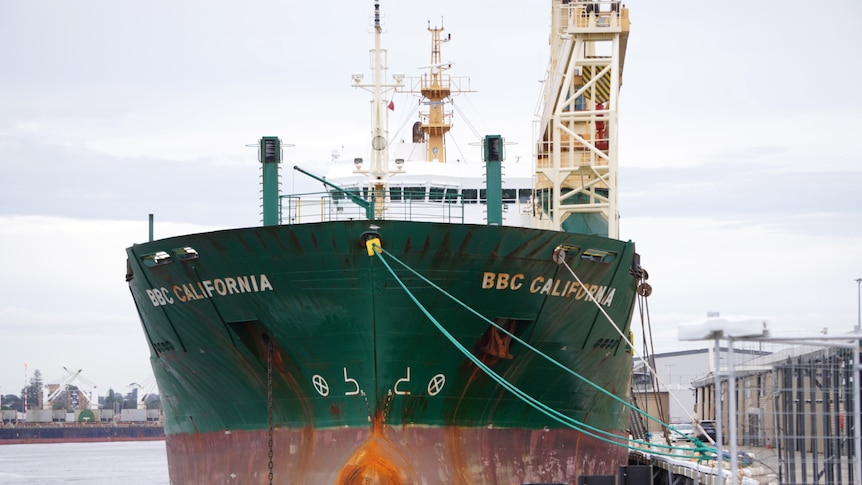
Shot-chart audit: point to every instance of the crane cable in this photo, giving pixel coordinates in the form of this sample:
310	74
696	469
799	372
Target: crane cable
643	291
646	328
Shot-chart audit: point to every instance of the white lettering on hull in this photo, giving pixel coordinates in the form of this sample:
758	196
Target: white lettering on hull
549	286
200	290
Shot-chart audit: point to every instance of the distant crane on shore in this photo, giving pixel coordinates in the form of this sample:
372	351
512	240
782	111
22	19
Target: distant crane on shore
148	387
58	388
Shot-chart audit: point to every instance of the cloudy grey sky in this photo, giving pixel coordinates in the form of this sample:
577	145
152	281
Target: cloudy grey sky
740	168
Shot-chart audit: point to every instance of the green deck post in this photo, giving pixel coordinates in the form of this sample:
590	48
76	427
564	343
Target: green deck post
270	157
493	155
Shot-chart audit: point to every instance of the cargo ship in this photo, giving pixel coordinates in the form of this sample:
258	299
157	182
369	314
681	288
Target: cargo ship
409	325
24	433
82	425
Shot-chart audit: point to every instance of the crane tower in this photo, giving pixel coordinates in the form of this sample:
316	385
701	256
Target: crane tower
577	150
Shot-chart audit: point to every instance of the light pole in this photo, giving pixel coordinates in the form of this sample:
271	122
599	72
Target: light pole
859	305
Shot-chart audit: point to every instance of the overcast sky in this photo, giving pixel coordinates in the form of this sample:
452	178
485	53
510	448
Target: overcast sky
740	161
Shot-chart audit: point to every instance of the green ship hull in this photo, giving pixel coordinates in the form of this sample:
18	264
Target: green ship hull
288	354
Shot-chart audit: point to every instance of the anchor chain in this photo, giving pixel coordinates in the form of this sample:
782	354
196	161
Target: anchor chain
269	402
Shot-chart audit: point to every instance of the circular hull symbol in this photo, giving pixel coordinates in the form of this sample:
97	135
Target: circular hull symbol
435	385
320	384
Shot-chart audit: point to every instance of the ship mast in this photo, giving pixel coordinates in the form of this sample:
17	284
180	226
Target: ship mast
378	171
435	88
379	133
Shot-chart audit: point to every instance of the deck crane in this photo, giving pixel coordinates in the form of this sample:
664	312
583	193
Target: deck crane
577	153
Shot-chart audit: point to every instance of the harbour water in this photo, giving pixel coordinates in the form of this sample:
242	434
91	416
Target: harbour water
108	463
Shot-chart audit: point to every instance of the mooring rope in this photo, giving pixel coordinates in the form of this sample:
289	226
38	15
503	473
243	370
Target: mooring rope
550	412
646	364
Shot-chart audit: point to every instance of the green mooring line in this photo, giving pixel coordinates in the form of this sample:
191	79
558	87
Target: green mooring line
539	406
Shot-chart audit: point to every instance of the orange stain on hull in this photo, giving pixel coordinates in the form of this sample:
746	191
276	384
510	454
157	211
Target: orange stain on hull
374	462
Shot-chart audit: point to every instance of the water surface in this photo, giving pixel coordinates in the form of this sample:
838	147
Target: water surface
108	463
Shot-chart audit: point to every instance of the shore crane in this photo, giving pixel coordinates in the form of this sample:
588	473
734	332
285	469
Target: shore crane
84	387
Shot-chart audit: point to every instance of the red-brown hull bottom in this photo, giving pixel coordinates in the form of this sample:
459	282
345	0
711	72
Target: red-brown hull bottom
402	456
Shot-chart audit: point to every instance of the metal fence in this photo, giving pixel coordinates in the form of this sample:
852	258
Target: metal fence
796	408
813	409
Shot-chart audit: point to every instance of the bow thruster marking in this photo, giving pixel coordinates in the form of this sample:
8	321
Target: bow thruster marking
320	384
435	385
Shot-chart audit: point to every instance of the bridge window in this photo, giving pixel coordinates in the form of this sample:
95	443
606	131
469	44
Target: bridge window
452	195
509	195
414	193
435	194
469	195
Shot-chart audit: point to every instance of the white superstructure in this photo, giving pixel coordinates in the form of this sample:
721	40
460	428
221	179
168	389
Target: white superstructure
414	179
